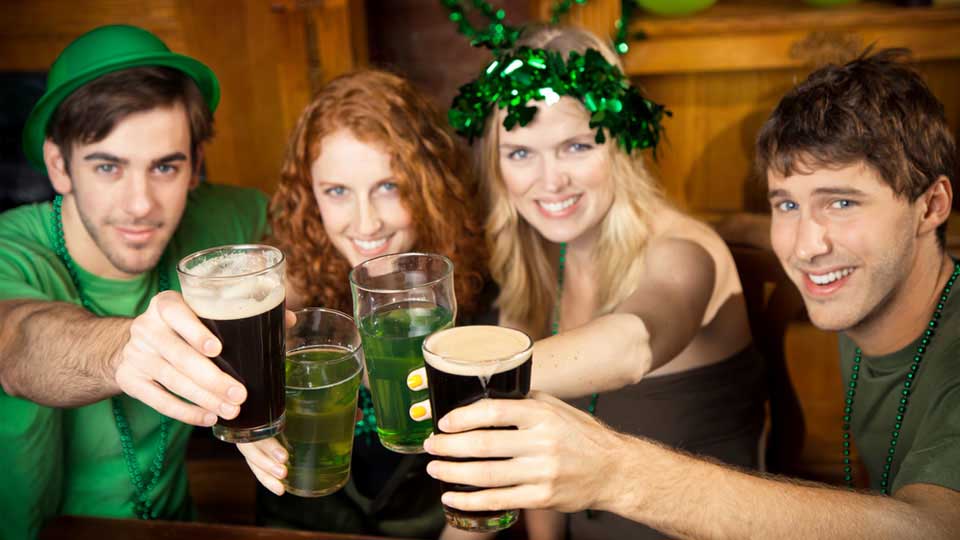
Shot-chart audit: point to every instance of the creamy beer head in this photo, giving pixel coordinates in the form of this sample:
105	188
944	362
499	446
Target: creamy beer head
479	351
232	284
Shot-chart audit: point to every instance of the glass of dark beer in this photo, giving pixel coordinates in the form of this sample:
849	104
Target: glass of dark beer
398	300
237	292
467	364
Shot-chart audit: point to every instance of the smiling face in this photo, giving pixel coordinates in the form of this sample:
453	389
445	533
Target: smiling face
359	201
846	241
130	190
557	177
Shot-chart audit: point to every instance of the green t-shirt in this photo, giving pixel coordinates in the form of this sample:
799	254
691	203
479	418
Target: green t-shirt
68	461
928	449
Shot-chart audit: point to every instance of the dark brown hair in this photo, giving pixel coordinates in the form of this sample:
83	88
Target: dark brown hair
873	110
430	167
91	112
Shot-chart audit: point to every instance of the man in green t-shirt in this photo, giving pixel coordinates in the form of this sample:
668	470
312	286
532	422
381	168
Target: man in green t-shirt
858	160
98	351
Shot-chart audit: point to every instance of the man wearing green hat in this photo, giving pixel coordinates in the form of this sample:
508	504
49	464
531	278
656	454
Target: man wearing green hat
98	352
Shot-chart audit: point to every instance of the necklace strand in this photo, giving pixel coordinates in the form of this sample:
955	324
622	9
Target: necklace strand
911	377
143	506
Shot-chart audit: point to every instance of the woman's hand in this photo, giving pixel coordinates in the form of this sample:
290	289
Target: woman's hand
268	461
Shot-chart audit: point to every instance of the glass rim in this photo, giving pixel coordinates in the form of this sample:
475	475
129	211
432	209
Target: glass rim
353	352
446	274
183	271
338	314
528	350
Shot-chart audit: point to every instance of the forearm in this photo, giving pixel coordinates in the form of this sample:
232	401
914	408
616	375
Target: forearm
605	354
58	354
690	498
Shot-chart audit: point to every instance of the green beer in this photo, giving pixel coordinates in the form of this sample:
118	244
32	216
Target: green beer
321	411
392	337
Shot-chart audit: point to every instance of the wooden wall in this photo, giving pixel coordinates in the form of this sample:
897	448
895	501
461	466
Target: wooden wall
268	54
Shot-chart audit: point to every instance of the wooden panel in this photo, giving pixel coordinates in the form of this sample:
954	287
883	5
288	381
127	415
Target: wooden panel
598	17
794	48
35	31
259	55
264	53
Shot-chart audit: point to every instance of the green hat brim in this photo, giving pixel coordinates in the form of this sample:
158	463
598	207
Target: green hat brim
35	130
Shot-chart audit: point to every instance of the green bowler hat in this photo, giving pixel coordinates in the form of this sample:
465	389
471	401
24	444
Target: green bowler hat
100	51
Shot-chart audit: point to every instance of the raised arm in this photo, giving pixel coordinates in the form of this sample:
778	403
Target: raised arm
60	355
561	458
647	330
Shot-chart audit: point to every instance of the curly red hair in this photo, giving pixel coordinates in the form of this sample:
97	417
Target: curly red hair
431	170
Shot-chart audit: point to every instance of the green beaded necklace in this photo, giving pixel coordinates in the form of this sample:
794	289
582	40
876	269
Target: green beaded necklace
143	506
555	326
904	394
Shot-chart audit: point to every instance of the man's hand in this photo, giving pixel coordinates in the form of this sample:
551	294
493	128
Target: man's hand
168	355
558	455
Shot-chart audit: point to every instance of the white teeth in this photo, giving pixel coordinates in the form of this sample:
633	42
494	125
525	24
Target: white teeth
369	245
558	206
824	279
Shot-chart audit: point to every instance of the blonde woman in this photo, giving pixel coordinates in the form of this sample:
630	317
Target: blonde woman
638	307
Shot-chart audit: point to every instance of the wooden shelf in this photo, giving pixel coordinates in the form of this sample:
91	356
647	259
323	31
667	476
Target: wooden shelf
732	36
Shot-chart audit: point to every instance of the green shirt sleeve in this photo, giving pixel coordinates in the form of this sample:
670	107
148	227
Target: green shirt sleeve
934	457
31	435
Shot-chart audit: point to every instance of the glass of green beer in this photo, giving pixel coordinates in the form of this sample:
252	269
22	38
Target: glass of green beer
398	300
324	369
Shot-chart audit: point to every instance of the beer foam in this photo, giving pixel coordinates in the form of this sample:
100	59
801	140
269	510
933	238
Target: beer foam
480	351
237	299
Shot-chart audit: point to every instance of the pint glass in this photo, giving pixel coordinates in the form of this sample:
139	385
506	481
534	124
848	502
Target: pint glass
465	365
324	370
237	292
398	300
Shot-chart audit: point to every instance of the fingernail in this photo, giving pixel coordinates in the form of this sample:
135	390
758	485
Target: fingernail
228	410
418	411
236	394
211	346
444	424
430	469
280	456
279	471
209	419
427	443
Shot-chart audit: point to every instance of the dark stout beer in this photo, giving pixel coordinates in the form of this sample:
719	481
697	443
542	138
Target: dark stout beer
253	354
237	293
465	365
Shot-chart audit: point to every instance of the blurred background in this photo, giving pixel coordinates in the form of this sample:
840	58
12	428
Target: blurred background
719	65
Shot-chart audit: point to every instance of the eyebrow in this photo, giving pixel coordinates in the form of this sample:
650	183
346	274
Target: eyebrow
849	192
103	156
176	156
590	134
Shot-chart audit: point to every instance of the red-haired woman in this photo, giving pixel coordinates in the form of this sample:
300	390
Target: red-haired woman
370	169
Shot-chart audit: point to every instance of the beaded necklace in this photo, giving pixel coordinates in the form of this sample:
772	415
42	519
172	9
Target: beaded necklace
904	394
555	326
143	506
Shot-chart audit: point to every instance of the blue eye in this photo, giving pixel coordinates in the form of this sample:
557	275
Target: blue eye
165	168
335	191
519	153
842	203
786	206
107	168
388	186
579	147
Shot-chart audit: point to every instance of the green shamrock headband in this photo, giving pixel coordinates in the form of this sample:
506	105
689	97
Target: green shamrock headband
516	77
